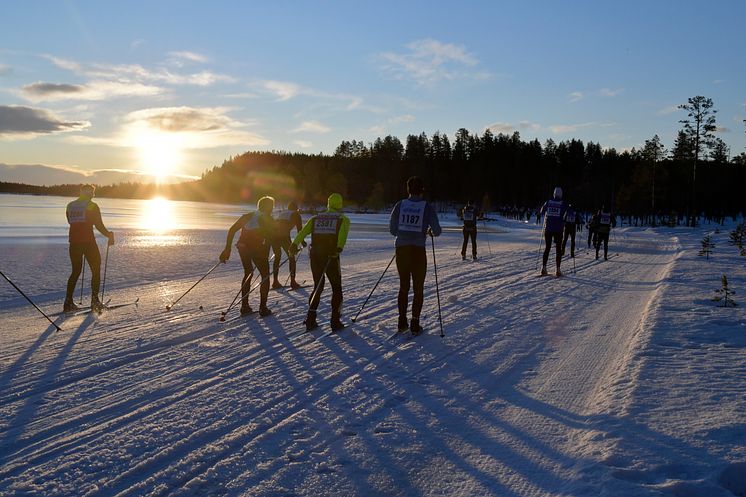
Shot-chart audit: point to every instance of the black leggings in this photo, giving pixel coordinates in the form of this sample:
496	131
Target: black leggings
333	272
411	263
569	233
557	237
259	256
93	257
278	246
470	233
602	238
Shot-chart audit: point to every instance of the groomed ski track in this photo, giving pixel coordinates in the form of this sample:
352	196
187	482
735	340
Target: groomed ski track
523	396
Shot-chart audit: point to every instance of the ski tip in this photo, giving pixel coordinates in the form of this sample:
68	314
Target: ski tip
168	307
222	319
353	320
200	308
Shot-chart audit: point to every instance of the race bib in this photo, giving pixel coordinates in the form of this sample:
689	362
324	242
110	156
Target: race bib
325	225
605	219
76	213
553	211
469	215
411	216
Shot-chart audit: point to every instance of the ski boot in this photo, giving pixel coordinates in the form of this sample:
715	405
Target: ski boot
276	284
463	257
264	311
544	271
294	285
96	305
310	321
69	306
474	257
415	327
403	324
246	309
558	273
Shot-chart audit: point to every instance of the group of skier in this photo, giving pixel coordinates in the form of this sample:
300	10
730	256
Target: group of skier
412	220
560	223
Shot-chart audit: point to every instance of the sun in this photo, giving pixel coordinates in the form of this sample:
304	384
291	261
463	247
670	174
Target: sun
160	154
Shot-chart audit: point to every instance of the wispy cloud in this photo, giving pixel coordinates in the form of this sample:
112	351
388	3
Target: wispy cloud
576	96
303	143
610	92
18	122
427	61
528	125
93	90
501	127
668	110
406	118
5	70
559	129
283	90
188	56
312	127
191	127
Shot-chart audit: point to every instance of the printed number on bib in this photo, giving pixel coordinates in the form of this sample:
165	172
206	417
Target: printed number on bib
553	211
411	216
325	225
76	215
468	215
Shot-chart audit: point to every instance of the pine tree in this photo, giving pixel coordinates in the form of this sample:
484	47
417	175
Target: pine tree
725	293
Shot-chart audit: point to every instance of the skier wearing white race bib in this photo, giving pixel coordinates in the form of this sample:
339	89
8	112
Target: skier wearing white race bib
411	220
554	224
469	214
328	232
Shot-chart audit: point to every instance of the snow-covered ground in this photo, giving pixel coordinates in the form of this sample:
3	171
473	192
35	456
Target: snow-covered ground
622	379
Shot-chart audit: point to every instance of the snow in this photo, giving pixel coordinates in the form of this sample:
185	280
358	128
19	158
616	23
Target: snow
623	378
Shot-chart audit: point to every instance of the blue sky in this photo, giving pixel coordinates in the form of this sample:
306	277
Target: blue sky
174	88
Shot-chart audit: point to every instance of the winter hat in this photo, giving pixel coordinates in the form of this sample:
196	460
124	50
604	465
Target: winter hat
334	203
265	204
557	193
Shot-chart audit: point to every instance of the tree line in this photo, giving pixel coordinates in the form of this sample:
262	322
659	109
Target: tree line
696	174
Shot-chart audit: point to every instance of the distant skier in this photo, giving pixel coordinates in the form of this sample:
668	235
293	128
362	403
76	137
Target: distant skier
571	219
285	221
605	222
82	215
554	211
328	232
592	227
469	214
411	220
253	248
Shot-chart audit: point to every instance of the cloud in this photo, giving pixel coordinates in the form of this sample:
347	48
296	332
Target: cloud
303	143
187	127
406	118
501	128
576	96
283	89
188	56
5	70
312	127
44	174
668	110
93	90
26	122
610	92
139	73
529	126
428	61
559	129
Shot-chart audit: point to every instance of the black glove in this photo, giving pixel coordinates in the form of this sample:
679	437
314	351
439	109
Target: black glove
304	244
225	254
430	232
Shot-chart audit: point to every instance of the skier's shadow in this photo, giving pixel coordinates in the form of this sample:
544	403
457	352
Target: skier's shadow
26	412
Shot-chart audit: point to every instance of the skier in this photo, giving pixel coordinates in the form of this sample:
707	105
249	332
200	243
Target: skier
468	214
553	225
592	226
328	232
82	215
411	220
253	248
571	220
605	222
285	221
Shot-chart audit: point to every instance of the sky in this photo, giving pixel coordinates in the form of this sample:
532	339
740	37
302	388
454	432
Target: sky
102	91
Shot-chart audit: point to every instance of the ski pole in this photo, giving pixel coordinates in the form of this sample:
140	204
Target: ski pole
541	240
487	236
437	288
243	284
296	260
82	282
168	307
106	263
320	282
374	288
573	266
30	301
